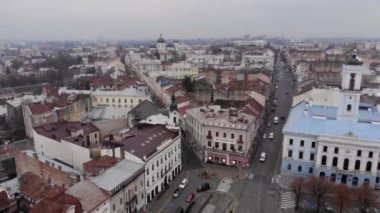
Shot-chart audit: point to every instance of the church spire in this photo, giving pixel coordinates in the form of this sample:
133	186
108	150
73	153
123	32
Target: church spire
173	105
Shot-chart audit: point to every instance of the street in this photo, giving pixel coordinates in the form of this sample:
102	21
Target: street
261	194
258	191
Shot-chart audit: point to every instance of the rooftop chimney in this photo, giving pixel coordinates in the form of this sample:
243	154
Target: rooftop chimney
59	168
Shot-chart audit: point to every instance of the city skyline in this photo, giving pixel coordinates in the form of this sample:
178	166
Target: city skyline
144	20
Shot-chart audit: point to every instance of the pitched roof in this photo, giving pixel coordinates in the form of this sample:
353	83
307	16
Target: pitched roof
40	108
96	165
5	200
33	186
145	139
55	200
146	109
89	195
253	108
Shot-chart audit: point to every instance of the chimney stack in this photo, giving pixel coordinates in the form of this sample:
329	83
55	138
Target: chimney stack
122	153
35	156
60	168
78	178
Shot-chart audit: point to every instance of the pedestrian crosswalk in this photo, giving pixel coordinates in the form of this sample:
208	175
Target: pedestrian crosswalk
287	200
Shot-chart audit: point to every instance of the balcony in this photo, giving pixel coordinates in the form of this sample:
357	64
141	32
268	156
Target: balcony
239	141
209	137
133	199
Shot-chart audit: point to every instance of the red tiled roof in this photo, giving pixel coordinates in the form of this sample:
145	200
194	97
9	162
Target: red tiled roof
95	165
154	135
102	80
253	108
33	186
55	200
5	201
183	109
40	108
181	99
173	89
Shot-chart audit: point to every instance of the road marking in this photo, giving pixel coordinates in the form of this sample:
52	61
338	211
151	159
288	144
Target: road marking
287	200
250	177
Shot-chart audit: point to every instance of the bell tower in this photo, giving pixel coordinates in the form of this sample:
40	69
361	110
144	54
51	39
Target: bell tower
351	88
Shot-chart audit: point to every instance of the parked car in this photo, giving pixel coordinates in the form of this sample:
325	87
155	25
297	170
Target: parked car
265	136
275	120
190	206
271	136
203	187
273	108
283	117
263	156
287	92
190	197
177	193
184	183
269	124
179	210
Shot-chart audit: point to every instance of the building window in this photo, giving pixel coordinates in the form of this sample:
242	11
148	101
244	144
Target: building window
311	170
290	153
289	167
357	164
217	145
209	143
336	150
302	143
369	166
217	134
113	207
324	159
125	101
312	156
232	136
300	168
346	164
147	183
119	100
359	153
224	146
324	148
313	144
370	154
224	135
300	155
240	148
378	166
349	107
232	147
113	100
335	161
209	133
290	141
131	101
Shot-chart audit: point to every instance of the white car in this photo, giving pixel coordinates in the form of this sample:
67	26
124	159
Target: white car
183	184
265	136
275	120
263	156
271	136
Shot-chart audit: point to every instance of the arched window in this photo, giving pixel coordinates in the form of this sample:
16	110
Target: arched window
345	164
355	181
322	174
366	181
311	170
289	167
335	161
300	168
332	177
349	107
324	159
352	81
357	164
368	168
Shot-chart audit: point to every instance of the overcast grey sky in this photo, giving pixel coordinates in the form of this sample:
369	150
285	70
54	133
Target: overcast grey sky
146	19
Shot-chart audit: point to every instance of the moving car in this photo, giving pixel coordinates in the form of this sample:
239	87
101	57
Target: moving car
263	156
190	197
184	183
275	120
271	136
283	117
177	193
265	136
273	109
287	92
203	187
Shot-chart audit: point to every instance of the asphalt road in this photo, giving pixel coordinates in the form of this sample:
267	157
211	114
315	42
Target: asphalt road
260	193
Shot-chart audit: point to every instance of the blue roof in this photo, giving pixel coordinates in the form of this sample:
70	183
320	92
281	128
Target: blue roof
298	122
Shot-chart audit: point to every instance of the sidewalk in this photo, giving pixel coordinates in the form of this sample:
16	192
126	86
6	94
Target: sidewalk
284	180
156	205
219	171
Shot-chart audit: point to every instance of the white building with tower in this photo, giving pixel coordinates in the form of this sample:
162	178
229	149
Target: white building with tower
340	142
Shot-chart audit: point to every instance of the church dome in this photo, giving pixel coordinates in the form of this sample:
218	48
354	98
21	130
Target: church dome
161	40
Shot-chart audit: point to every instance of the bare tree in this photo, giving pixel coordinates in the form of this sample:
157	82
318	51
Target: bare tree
318	187
342	196
297	187
366	197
